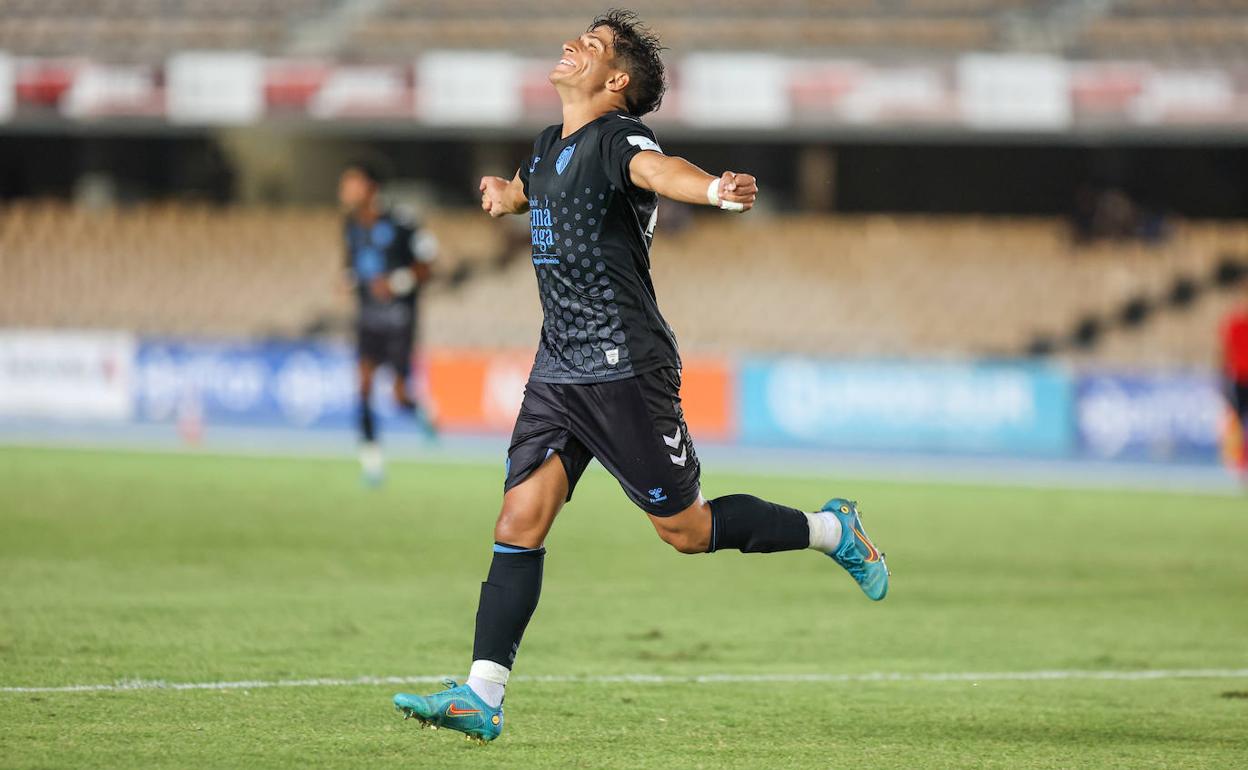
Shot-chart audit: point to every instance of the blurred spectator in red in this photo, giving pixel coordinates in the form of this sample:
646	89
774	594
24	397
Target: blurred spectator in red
1235	372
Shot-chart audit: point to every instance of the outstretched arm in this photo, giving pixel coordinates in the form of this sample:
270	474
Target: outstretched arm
499	197
680	180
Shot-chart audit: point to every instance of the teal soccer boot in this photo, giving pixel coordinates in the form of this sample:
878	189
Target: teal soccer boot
455	708
856	553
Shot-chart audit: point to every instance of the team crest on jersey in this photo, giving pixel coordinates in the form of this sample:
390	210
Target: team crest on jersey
564	158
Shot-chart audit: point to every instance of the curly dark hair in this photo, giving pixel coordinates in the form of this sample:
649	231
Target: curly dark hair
636	50
371	170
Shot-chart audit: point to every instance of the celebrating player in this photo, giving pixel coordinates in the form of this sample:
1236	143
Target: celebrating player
387	259
606	380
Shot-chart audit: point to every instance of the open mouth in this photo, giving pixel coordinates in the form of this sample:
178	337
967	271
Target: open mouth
566	62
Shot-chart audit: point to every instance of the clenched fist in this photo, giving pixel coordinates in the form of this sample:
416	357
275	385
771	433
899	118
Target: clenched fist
737	188
493	195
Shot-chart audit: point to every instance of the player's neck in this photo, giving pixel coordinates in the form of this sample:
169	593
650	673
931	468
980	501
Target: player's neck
580	110
368	214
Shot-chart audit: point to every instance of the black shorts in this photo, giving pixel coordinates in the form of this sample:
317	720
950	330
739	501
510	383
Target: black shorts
635	427
386	347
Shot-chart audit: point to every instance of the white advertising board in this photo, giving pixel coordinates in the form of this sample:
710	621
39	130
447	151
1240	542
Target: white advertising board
8	87
467	88
735	90
215	87
66	375
1019	92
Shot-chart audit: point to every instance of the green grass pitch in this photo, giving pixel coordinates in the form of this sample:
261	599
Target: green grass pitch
191	568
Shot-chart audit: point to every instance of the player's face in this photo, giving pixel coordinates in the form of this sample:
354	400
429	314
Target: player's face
587	61
355	190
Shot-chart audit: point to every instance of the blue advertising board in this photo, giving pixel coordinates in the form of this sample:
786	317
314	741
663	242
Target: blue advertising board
301	384
1154	415
967	407
1009	407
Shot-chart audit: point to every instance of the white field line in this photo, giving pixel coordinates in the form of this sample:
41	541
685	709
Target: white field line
963	676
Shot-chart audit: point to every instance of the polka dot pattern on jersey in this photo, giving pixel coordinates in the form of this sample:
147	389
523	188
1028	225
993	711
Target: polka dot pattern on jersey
591	257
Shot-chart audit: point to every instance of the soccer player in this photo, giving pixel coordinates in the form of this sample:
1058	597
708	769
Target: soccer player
388	257
1235	376
606	380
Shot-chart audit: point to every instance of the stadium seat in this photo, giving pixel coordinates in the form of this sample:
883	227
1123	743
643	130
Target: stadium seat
860	285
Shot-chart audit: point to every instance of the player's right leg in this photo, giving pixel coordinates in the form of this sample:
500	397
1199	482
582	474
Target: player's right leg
509	596
371	464
543	466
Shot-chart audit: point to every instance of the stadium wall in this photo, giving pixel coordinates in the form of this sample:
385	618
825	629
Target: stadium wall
1020	408
983	93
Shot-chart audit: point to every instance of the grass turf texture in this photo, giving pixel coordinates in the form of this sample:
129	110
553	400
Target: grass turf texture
196	569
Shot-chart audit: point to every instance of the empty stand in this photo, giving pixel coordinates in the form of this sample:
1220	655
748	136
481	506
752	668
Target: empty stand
1174	29
149	30
868	286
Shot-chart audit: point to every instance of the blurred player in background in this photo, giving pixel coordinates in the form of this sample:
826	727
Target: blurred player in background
1235	375
606	380
388	257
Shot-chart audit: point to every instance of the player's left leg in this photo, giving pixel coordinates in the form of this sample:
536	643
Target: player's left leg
752	525
636	429
401	355
403	391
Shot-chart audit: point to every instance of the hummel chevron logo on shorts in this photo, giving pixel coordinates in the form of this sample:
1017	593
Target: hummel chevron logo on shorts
680	458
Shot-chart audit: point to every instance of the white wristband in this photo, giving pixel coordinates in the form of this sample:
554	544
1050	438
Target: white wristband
402	281
712	192
712	197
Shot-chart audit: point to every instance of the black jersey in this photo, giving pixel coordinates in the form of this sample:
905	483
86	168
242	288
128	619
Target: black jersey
591	232
392	242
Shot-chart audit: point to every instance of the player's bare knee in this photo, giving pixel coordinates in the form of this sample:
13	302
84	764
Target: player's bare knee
685	542
518	526
688	531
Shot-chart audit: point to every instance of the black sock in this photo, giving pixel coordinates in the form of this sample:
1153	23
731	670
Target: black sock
508	597
752	525
368	428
